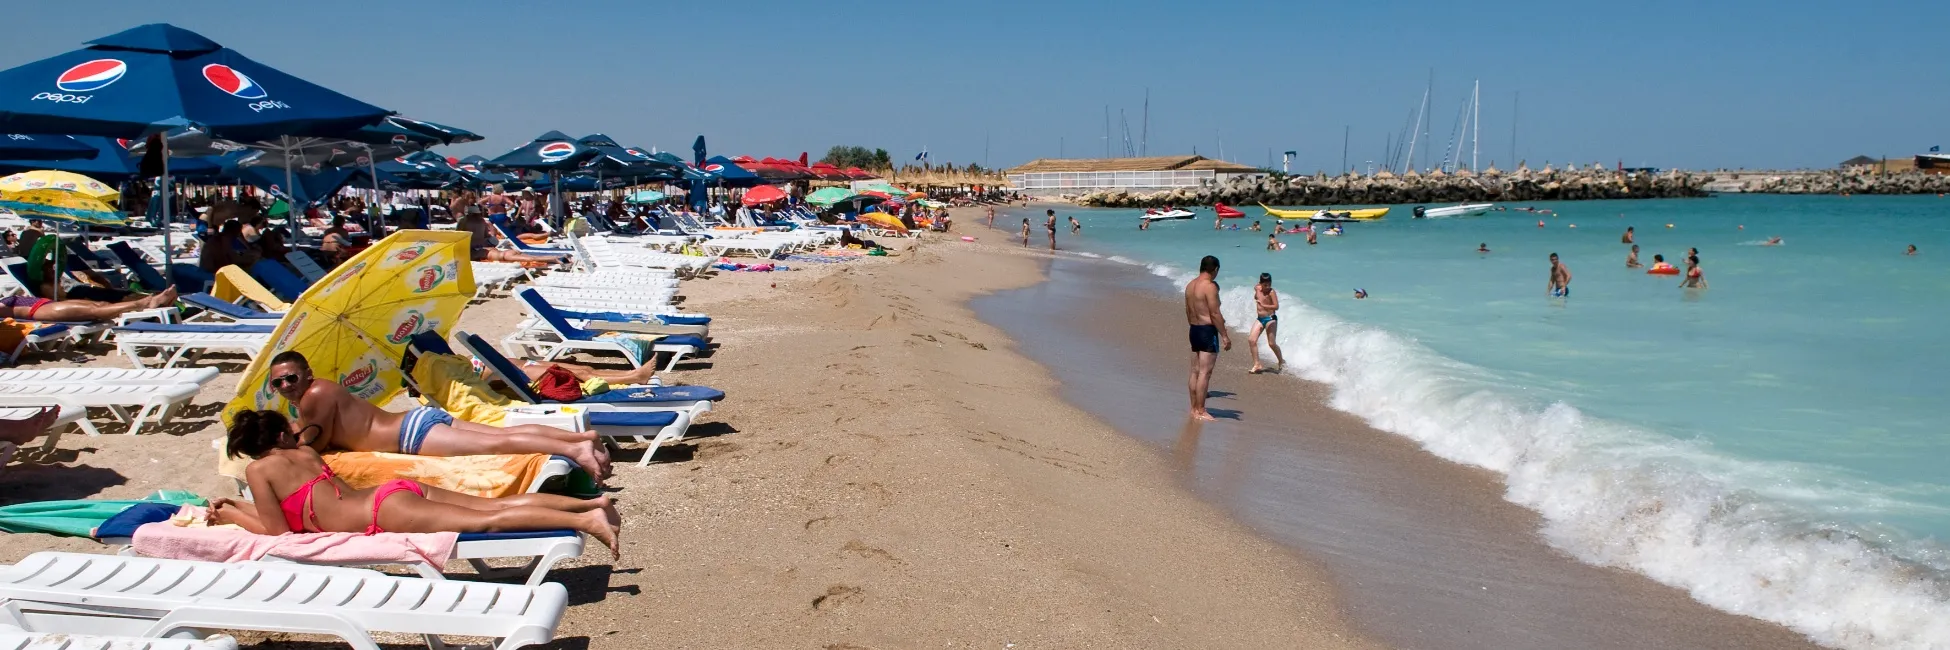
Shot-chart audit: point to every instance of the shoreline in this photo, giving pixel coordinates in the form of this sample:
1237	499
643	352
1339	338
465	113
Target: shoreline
1433	551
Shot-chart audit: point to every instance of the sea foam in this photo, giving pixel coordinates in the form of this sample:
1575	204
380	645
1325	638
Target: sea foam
1615	495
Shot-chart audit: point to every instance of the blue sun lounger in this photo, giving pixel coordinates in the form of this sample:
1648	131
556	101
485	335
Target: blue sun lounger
528	248
558	336
218	310
653	422
287	285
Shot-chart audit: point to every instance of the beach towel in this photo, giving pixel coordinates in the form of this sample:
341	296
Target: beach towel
82	518
452	383
481	476
229	544
640	348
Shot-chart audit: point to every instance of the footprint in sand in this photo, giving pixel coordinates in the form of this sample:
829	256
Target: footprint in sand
836	596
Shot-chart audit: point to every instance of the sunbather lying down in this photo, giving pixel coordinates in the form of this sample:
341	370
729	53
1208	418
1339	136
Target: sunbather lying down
80	311
331	417
291	483
535	369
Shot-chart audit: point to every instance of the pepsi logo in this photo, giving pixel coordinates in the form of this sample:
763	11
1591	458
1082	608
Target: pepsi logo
554	151
637	153
714	167
469	168
91	76
229	80
403	161
399	139
122	142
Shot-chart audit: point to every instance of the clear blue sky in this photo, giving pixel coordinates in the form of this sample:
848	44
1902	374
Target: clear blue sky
1734	83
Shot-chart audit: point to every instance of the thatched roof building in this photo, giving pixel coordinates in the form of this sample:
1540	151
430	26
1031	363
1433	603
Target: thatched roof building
1149	164
1070	175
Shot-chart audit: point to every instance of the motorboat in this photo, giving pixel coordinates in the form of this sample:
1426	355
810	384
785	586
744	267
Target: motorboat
1167	214
1464	210
1357	214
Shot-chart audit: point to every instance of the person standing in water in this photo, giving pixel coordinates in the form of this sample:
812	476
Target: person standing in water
1208	331
1272	242
1266	306
1025	231
1632	258
1075	226
1050	225
1911	251
1695	279
1560	282
1627	239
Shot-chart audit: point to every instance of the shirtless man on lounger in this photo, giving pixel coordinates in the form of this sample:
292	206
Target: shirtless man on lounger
344	421
80	311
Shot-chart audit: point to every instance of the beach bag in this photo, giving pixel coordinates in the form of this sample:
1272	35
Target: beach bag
558	385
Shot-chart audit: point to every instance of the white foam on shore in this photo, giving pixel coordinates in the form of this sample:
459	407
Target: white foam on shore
1615	495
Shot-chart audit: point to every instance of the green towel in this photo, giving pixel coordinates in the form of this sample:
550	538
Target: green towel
79	518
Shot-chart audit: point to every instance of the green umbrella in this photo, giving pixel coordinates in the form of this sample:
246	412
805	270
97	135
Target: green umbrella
645	196
884	188
828	196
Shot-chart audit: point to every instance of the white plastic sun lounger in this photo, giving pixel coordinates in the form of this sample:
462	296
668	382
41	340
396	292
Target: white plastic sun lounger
67	414
542	548
626	300
606	280
175	342
111	376
152	598
765	248
156	401
13	638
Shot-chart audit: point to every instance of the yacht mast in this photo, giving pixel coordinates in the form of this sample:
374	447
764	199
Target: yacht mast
1476	137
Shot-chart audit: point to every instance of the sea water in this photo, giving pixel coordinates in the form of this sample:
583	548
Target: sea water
1773	444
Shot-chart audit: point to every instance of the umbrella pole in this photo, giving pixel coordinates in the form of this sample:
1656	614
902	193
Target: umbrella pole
372	209
290	195
169	267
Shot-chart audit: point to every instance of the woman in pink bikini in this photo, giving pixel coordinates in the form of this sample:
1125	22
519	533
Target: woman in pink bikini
297	492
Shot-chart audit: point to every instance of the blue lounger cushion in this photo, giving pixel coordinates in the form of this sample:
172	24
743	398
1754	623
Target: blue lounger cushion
621	317
648	395
517	534
684	339
202	328
227	308
632	418
48	330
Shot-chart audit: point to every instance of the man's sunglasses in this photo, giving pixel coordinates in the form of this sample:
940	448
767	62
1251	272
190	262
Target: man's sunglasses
286	380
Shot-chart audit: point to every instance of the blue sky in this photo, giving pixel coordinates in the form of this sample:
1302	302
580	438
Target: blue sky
1733	83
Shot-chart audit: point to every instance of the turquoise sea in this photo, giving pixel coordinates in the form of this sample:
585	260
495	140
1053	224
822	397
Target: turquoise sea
1774	444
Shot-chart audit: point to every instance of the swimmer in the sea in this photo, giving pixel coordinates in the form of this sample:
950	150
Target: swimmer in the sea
1772	241
1911	251
1560	281
1360	294
1632	258
1483	247
1695	279
1272	242
1627	239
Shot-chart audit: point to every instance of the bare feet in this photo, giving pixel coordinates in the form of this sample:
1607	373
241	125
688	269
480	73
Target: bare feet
598	524
1256	370
597	470
1202	416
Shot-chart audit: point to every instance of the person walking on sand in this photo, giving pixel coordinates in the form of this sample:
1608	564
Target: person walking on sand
1632	258
1050	225
1025	231
1208	331
991	216
1560	282
1266	304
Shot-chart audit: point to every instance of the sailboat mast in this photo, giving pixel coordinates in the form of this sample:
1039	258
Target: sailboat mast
1476	135
1515	101
1106	130
1144	130
1415	135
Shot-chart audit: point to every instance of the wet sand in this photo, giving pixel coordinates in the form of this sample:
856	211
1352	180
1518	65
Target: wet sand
1425	553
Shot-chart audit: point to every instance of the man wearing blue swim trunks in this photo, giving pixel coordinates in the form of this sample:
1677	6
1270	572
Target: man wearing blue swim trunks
1208	331
1560	284
330	417
1266	306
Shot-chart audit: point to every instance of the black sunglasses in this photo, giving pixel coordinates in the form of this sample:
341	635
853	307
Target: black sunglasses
286	380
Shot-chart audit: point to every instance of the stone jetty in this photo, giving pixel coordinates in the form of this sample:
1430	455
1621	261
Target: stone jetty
1386	188
1492	185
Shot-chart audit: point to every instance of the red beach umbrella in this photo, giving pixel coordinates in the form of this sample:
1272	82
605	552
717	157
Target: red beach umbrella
763	194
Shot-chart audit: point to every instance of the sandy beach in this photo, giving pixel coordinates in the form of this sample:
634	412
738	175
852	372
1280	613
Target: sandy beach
888	471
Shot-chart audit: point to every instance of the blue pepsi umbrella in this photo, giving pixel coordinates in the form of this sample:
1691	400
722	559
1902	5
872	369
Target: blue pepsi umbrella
446	134
110	162
554	153
157	77
729	174
21	146
616	160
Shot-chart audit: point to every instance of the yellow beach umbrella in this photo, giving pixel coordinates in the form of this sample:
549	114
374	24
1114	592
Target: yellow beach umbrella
49	179
60	196
353	324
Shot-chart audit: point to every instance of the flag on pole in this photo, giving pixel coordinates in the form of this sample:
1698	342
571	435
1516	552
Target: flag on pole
1935	149
924	154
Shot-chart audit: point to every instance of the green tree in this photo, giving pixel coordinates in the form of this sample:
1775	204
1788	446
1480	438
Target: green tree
881	160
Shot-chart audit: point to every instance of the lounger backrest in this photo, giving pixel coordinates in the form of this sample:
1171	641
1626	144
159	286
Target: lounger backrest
18	271
233	310
233	283
509	373
549	314
144	274
281	280
79	248
306	266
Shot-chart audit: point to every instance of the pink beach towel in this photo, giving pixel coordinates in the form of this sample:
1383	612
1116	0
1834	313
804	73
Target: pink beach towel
225	544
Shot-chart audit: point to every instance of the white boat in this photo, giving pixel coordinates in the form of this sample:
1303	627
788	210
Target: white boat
1464	210
1167	215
